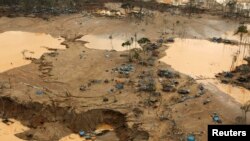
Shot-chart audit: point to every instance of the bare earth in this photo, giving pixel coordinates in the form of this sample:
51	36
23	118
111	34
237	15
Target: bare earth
67	109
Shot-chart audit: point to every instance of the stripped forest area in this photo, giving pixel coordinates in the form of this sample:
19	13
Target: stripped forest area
122	70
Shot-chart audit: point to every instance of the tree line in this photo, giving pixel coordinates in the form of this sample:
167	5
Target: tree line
43	3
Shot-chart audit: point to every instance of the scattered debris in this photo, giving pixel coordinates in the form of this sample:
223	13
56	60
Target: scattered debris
150	101
228	75
183	91
82	88
225	41
169	85
106	81
216	118
53	54
170	40
153	99
88	136
39	92
111	91
119	86
125	69
217	40
7	121
242	79
147	85
191	137
156	94
162	118
201	87
160	41
168	88
151	46
29	136
167	73
81	133
95	81
205	102
225	81
201	90
105	99
137	112
239	76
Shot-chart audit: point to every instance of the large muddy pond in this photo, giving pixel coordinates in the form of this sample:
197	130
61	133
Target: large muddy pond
202	59
16	45
109	42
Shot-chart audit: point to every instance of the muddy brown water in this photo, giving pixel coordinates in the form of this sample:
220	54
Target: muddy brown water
202	59
15	45
103	42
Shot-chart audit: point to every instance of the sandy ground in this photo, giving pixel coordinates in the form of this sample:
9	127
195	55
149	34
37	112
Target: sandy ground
7	132
78	65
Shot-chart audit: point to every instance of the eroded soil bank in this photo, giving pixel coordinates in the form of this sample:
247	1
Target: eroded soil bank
61	118
239	76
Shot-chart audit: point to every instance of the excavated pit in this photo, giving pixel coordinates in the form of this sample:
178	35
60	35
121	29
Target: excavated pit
35	115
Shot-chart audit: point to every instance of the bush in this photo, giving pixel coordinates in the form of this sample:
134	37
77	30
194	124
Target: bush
242	29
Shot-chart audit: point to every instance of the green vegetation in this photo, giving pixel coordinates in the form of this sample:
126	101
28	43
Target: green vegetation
143	41
242	29
126	44
43	6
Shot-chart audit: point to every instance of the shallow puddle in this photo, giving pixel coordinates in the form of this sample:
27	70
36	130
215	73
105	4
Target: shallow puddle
103	42
202	59
15	45
109	136
104	127
7	132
